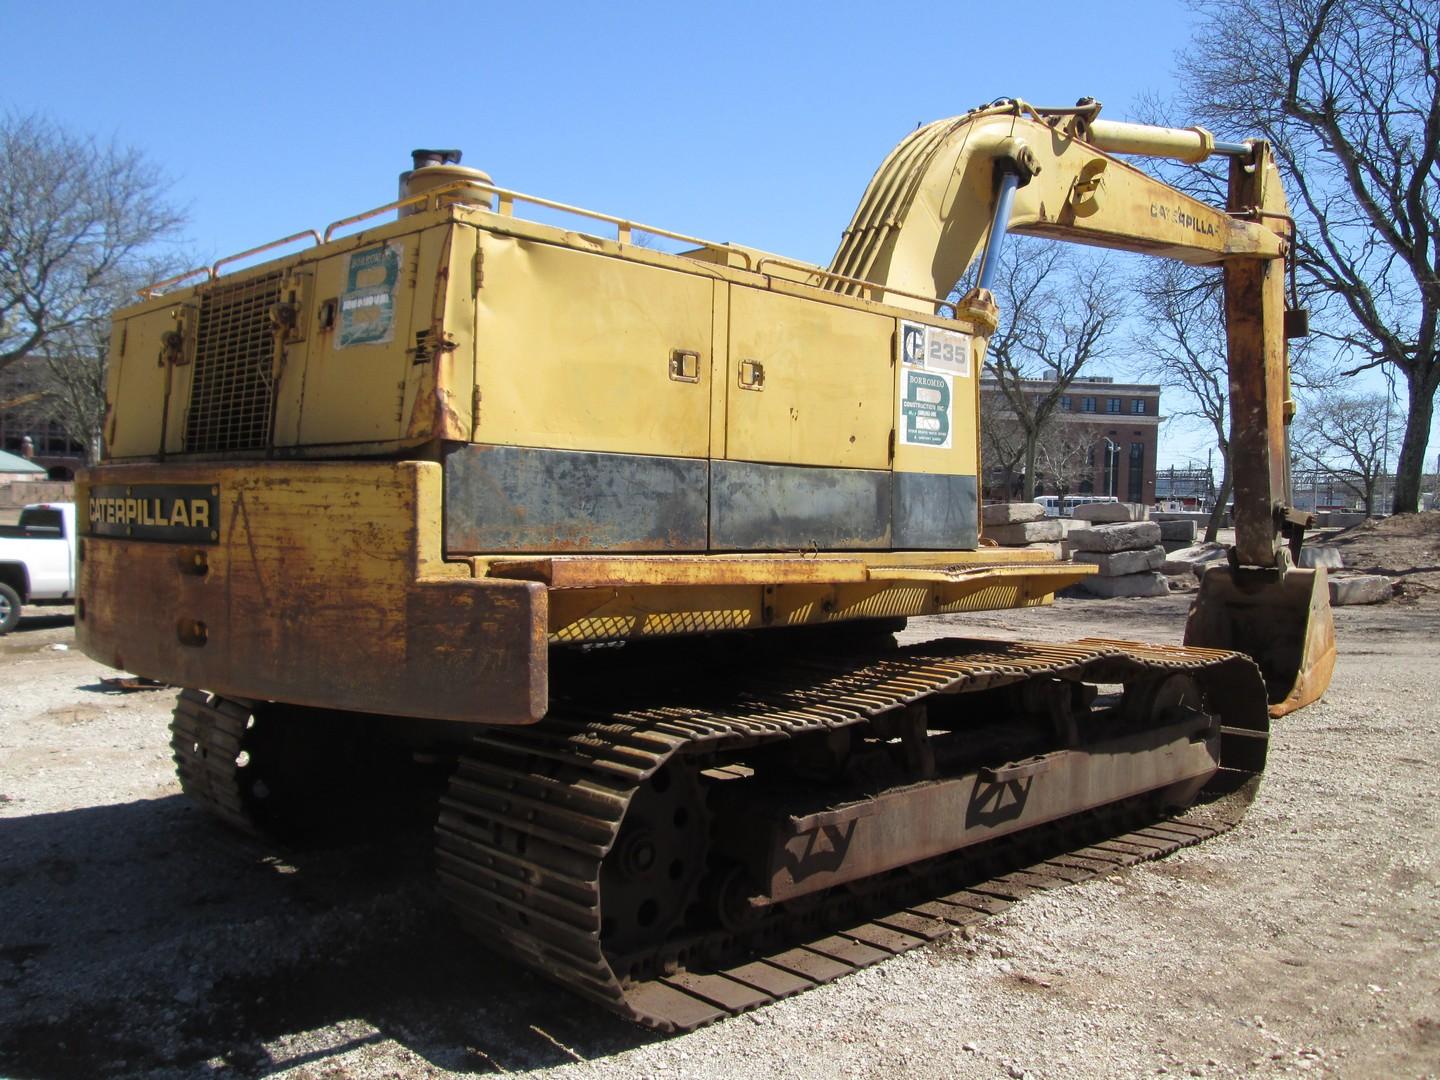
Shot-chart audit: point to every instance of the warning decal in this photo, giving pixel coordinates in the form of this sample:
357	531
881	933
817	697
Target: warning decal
925	408
367	307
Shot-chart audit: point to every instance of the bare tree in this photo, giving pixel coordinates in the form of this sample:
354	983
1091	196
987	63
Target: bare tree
1064	455
1183	347
1002	442
81	226
1059	311
1348	93
72	383
77	221
1347	436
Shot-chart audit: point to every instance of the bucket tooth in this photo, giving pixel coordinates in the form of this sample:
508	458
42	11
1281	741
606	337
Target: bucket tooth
1279	618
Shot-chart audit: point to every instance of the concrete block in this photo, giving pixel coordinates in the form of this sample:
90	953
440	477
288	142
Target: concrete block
1360	589
1172	531
1106	512
1200	517
1193	559
1326	555
1051	549
1024	532
1119	563
1129	536
1010	513
1147	584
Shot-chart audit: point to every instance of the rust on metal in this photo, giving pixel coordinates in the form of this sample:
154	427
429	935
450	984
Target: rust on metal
1259	375
800	855
324	586
580	572
537	818
433	414
1281	619
130	684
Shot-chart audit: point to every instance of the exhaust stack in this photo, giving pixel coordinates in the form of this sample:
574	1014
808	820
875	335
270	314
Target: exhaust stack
433	169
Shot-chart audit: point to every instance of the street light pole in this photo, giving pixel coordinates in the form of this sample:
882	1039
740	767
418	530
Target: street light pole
1112	454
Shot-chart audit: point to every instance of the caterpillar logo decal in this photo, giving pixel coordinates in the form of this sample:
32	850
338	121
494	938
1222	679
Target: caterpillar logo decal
180	512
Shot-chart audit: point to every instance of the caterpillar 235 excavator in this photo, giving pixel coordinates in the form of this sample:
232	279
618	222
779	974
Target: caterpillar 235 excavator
609	544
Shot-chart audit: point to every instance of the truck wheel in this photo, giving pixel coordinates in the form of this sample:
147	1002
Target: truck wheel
9	608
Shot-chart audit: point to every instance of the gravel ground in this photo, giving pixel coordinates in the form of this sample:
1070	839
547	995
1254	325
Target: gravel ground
138	939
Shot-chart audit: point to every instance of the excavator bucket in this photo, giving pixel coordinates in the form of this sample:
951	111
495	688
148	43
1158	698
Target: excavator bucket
1280	618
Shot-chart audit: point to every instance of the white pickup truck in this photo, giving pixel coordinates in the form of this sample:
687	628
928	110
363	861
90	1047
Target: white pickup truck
37	559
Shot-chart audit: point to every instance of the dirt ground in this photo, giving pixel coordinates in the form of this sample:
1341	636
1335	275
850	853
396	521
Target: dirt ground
138	939
1406	548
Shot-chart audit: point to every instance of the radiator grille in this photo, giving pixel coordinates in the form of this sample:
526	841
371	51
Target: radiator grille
232	395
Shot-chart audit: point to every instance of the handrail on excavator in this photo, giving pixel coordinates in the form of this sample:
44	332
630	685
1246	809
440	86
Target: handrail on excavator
625	228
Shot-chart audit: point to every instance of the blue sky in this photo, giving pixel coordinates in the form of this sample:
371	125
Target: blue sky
753	122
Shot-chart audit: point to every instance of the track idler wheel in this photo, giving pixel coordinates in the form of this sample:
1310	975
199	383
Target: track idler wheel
649	879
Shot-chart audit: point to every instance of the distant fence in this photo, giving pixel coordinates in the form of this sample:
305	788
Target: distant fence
1200	517
1343	519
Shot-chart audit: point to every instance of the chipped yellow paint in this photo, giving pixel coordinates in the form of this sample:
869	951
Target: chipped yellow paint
711	567
582	571
440	380
324	586
139	370
597	613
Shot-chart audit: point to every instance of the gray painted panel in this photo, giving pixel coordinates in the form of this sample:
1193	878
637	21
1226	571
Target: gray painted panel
518	499
788	507
934	511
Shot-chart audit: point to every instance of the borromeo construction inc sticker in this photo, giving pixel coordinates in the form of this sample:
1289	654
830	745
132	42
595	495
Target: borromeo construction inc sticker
367	307
935	348
925	408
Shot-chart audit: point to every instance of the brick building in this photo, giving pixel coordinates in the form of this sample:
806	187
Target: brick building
1121	426
23	413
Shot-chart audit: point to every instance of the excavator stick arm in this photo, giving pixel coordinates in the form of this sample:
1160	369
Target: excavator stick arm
1261	604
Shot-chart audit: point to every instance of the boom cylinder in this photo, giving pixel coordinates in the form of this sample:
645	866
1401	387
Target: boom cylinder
1191	145
1009	181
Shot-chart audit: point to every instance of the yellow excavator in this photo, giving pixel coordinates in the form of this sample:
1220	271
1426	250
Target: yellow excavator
605	546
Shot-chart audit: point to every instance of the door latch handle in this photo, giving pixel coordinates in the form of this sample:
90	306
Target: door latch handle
752	375
684	365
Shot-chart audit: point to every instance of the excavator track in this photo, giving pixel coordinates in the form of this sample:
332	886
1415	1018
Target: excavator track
207	741
283	774
550	835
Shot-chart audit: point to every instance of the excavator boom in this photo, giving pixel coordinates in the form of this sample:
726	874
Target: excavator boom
1051	173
